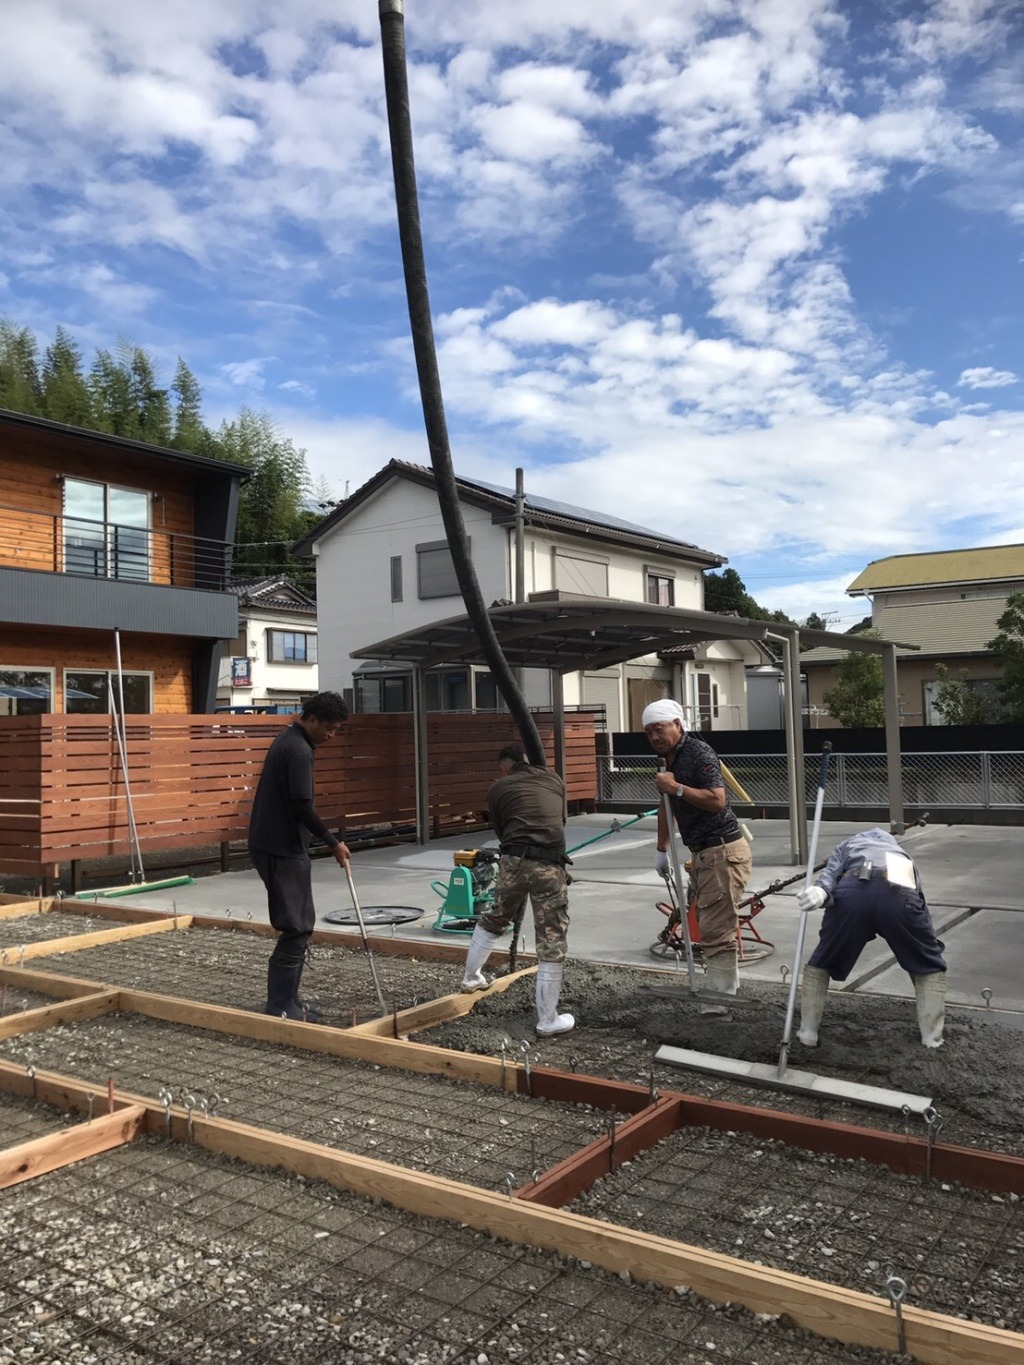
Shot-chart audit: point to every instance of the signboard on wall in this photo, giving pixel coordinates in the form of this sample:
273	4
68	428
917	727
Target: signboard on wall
241	673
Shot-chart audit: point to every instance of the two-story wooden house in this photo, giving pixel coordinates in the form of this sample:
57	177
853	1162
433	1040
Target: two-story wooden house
383	567
101	535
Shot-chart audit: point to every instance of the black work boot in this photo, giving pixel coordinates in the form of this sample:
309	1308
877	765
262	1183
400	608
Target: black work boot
282	983
307	1010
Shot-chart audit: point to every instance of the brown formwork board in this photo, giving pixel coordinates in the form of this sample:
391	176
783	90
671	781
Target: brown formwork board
64	1012
75	943
56	1150
428	951
996	1172
420	1018
14	909
845	1315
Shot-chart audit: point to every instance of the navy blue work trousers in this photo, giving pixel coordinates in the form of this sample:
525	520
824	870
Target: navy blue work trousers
860	911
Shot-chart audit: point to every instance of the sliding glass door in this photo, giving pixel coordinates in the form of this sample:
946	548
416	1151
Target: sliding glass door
106	530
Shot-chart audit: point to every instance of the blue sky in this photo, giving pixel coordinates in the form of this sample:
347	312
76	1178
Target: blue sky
746	271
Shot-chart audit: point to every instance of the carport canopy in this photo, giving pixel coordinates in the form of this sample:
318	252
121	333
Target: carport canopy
566	633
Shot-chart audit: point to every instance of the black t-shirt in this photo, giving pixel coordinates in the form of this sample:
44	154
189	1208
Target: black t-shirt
695	764
287	777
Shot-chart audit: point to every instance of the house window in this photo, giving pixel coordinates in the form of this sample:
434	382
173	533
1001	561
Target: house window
435	570
586	577
396	578
485	692
383	692
106	530
707	701
447	690
89	692
26	691
661	590
291	647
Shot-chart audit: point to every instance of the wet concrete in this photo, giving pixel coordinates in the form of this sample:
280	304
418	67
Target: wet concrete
979	1071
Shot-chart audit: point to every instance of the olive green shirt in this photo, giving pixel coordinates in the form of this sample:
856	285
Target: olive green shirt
527	806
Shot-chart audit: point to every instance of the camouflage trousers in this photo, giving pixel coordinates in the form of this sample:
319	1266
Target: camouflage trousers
546	886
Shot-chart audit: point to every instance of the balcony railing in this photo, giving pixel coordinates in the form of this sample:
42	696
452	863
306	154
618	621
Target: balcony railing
55	543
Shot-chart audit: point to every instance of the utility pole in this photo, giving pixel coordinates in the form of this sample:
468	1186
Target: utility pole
519	592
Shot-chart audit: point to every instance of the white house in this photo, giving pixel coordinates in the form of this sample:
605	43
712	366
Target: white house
383	567
272	662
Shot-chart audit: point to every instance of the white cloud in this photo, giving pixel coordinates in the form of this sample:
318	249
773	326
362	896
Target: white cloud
246	374
219	175
985	377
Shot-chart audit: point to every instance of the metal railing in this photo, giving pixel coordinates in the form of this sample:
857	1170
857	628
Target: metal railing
55	543
968	780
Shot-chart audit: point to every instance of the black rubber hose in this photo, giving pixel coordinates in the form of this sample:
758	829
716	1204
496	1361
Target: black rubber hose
396	89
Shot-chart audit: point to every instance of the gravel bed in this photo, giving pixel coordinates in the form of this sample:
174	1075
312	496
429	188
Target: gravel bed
161	1254
36	928
850	1223
474	1133
22	1119
623	1015
14	999
230	968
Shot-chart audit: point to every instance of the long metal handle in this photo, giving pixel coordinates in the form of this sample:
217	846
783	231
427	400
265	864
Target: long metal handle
366	941
684	918
826	754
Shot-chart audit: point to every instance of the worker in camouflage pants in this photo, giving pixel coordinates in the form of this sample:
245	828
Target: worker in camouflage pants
527	808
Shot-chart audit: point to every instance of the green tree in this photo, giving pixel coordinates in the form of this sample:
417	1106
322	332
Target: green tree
65	393
856	698
20	387
127	400
726	591
957	702
1008	647
815	622
270	513
190	431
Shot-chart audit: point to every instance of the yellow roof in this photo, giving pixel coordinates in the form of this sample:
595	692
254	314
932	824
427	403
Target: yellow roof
941	566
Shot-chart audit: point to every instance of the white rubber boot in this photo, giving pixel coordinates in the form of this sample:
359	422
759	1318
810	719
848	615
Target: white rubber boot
722	973
813	994
931	1007
549	983
480	948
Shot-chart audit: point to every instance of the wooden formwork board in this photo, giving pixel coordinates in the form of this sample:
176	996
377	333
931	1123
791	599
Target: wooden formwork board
994	1171
421	1018
846	1315
64	1012
76	943
16	908
56	1150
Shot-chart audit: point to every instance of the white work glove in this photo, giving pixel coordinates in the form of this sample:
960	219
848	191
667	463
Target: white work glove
661	863
811	899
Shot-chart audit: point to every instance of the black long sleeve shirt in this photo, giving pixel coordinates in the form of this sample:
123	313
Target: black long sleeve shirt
284	819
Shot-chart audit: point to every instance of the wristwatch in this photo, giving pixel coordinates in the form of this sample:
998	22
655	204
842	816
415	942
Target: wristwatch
679	790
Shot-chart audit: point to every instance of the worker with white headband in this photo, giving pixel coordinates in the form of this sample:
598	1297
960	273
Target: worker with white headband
719	852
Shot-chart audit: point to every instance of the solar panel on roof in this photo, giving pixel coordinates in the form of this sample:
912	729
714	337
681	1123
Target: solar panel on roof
567	509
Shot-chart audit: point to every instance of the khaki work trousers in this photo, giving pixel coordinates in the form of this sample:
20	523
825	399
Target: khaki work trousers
720	876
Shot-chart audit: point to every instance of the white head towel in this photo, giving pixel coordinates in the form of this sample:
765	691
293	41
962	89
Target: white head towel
662	711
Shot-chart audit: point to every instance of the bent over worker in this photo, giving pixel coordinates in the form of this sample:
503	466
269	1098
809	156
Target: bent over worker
869	887
527	808
282	823
719	852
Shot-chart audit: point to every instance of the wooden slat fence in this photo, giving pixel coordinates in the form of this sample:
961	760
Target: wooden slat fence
193	778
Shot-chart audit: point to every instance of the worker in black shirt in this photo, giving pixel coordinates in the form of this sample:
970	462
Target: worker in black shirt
719	852
282	822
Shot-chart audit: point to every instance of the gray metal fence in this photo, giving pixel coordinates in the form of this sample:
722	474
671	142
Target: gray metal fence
968	780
